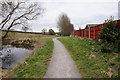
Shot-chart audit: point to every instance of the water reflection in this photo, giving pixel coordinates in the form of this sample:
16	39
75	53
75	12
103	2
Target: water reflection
11	55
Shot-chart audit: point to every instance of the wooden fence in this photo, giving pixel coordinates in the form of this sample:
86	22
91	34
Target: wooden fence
91	32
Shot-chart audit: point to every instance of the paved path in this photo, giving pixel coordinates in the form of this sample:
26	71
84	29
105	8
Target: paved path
61	64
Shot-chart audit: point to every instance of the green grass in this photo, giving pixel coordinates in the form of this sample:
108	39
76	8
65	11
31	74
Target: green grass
36	64
102	66
15	35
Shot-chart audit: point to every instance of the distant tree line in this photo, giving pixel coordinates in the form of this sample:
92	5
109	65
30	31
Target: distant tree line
50	32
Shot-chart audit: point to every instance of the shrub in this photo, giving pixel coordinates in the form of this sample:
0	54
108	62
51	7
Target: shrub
51	32
110	37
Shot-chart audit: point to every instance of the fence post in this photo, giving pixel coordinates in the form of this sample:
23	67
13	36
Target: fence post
85	32
82	32
79	33
89	32
94	31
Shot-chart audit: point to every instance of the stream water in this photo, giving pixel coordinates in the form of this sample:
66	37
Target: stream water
11	55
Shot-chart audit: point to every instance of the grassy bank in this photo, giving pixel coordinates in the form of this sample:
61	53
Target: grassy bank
90	62
14	35
36	64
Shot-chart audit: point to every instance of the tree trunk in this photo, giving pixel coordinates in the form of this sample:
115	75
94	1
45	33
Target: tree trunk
8	29
5	34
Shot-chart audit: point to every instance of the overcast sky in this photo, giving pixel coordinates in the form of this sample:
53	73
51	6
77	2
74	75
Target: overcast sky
80	12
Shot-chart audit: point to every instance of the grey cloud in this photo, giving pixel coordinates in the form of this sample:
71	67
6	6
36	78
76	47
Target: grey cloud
80	12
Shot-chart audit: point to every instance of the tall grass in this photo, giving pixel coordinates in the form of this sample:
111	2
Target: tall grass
90	62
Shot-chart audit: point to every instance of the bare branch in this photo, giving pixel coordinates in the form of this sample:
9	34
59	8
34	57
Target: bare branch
18	13
9	15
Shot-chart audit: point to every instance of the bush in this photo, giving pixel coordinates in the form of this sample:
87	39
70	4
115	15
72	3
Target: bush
51	32
106	47
110	37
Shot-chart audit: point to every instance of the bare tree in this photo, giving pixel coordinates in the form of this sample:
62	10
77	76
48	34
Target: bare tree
20	12
64	25
25	29
44	31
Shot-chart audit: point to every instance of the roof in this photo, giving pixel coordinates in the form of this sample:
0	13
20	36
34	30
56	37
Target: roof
91	25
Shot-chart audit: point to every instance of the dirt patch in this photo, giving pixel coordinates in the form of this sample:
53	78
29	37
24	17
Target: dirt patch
6	75
7	41
92	57
28	44
24	43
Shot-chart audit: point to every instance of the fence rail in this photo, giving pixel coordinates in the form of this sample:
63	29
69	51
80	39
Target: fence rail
91	32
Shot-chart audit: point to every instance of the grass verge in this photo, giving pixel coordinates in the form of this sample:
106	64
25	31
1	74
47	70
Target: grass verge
35	66
90	62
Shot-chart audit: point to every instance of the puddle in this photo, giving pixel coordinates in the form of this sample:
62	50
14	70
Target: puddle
11	55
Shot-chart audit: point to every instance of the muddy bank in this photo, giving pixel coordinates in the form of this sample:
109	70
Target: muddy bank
28	44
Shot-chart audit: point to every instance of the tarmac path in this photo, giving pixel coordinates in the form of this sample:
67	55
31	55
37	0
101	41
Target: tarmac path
61	64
